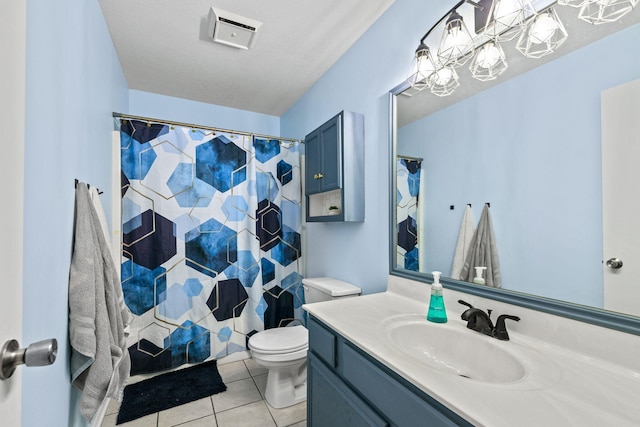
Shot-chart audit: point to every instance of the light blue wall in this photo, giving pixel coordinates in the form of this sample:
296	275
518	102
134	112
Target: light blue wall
531	147
360	81
181	110
74	81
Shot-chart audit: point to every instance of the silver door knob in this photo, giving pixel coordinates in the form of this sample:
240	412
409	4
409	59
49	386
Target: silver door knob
614	263
40	353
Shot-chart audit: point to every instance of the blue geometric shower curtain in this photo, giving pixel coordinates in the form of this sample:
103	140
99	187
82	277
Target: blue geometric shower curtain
408	192
211	247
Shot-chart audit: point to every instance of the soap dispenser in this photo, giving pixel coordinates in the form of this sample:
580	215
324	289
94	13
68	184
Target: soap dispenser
479	279
437	312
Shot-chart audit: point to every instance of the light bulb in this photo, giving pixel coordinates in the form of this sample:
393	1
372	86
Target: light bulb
443	76
488	56
543	28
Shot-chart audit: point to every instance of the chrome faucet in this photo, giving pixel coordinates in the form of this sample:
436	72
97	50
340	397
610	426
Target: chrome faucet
480	321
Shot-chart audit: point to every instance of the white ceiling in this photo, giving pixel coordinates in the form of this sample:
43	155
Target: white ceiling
164	48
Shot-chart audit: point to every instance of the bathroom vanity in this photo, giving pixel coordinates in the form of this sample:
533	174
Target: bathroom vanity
346	386
375	361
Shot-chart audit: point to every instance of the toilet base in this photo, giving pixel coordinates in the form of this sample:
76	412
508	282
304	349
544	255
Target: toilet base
286	387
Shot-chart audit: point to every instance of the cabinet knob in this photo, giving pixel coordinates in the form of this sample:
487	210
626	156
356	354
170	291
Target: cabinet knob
318	176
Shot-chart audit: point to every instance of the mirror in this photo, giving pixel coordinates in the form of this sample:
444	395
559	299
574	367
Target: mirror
529	144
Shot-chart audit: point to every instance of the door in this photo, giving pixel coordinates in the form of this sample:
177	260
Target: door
621	197
12	105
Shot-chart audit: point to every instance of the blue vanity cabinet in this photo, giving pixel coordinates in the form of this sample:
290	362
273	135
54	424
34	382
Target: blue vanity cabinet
334	169
347	387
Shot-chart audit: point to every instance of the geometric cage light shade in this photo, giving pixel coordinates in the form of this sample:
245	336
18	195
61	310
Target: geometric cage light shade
489	62
506	19
422	68
456	45
598	12
543	35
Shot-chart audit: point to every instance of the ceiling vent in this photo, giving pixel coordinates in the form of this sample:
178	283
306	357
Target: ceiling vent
231	29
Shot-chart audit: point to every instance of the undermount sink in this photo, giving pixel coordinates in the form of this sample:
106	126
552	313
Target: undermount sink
454	349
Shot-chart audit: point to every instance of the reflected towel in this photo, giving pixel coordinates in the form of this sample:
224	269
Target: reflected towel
483	252
465	236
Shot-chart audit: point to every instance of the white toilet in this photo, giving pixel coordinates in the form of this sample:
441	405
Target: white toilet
283	351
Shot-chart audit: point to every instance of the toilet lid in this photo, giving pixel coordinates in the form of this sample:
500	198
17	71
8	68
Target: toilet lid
280	340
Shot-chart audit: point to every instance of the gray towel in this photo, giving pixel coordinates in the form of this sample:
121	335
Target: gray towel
483	252
97	314
467	230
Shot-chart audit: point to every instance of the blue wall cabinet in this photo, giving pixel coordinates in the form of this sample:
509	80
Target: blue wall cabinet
334	169
347	387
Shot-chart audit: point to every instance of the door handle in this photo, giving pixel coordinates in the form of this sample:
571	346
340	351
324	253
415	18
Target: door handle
318	176
41	353
614	263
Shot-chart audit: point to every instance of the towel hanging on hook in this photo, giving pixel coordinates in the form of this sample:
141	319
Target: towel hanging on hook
88	186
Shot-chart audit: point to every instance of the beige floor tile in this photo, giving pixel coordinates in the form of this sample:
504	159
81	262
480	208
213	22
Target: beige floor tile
187	412
150	420
251	415
288	416
233	371
254	368
261	382
300	424
113	407
238	393
209	421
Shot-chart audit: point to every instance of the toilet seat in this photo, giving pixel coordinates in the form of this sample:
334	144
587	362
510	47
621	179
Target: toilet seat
280	340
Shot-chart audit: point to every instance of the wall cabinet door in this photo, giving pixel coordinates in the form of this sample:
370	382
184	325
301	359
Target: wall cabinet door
323	148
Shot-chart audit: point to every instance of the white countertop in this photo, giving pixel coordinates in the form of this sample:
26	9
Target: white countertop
562	387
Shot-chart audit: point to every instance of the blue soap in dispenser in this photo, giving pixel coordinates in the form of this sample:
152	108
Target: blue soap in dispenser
437	312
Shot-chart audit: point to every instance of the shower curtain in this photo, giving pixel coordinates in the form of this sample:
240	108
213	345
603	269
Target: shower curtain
211	250
408	191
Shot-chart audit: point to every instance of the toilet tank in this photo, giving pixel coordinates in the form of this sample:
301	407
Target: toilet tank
319	289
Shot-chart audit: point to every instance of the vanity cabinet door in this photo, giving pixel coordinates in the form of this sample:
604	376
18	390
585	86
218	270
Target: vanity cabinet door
332	404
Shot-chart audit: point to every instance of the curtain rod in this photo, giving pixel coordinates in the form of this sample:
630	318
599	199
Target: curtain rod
191	125
400	156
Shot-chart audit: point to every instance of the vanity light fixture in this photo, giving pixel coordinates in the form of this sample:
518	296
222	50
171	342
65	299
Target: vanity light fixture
602	11
543	35
540	33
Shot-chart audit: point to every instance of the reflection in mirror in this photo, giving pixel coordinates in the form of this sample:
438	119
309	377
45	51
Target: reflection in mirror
408	212
528	143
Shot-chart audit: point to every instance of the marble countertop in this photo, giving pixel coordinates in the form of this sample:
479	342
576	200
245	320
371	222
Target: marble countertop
561	386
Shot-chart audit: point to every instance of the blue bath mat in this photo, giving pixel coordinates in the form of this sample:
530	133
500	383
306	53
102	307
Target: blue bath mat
168	390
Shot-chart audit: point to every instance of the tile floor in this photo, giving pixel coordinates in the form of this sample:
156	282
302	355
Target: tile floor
241	405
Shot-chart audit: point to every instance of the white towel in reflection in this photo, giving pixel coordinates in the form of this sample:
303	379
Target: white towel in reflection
483	252
464	242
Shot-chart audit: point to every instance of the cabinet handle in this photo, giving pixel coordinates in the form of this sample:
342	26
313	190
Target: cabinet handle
318	176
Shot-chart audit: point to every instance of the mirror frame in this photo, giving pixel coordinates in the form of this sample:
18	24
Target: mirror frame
595	316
